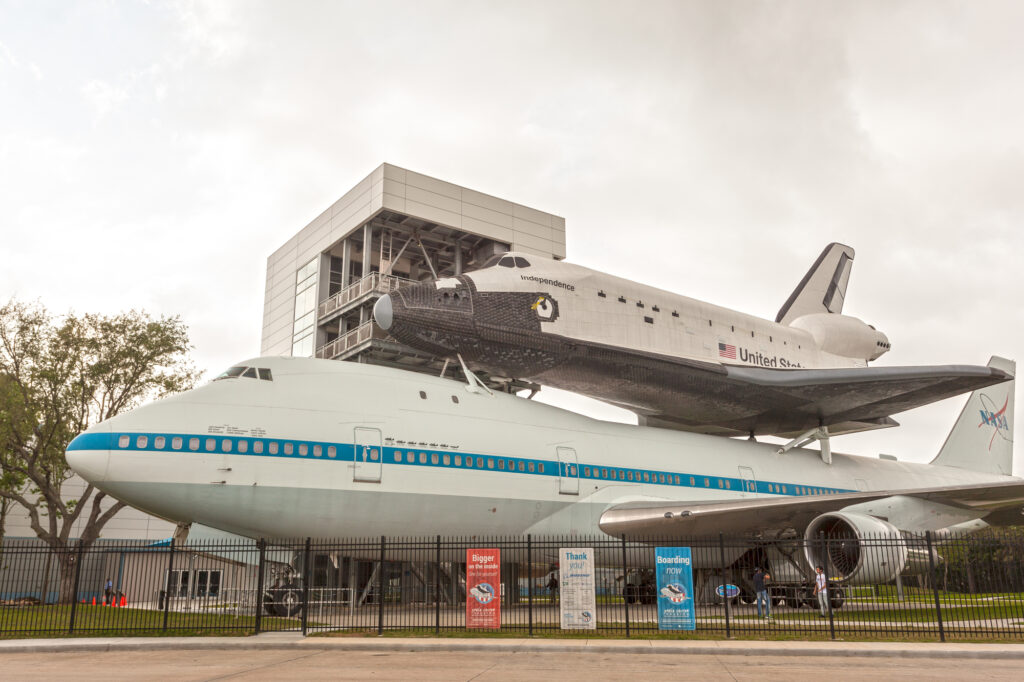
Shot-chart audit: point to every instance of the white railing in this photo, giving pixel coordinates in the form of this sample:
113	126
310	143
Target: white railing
374	283
349	340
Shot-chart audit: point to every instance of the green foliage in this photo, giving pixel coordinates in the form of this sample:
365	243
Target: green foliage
58	377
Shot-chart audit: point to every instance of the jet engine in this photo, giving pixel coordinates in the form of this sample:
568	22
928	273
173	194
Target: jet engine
843	335
857	548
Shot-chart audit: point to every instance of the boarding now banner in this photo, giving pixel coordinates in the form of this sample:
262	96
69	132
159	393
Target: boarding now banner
674	570
483	588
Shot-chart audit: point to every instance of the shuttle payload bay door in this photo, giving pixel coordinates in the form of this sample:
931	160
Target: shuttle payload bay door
568	471
368	455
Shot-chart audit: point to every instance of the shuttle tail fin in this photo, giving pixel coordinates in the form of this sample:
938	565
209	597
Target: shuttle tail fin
823	288
982	438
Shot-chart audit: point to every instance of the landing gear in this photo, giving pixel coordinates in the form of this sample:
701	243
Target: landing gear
284	601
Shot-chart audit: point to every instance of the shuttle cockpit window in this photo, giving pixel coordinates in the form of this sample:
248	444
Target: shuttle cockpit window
513	262
246	372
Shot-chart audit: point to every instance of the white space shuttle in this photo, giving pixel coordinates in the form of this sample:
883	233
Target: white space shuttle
675	361
303	447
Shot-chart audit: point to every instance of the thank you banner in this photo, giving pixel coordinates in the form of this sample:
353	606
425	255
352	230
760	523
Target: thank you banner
675	588
578	603
483	588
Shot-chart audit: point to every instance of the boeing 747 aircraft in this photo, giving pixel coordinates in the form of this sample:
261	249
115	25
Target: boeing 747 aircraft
290	447
675	361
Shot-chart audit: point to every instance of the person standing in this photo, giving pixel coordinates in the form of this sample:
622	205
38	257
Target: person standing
821	589
108	591
761	578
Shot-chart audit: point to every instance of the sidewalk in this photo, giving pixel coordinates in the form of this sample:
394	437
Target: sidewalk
294	641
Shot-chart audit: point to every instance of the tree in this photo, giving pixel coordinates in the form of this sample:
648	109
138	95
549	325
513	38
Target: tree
58	377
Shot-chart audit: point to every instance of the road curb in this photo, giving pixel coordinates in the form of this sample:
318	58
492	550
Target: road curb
660	647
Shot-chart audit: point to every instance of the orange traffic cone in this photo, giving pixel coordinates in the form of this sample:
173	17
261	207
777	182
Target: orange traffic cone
124	600
94	601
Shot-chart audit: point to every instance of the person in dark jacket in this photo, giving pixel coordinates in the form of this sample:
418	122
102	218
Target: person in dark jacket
761	578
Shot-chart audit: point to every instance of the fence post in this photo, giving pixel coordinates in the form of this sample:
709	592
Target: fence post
380	589
725	589
262	545
935	584
306	561
625	583
529	580
167	584
828	588
437	590
78	577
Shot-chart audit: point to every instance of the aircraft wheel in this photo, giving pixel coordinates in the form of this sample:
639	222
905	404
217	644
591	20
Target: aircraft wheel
289	601
747	597
836	596
268	603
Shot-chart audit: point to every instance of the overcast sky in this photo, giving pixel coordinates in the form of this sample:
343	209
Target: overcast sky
153	154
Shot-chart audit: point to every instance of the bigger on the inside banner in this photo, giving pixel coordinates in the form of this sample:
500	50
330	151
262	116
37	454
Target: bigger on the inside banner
483	589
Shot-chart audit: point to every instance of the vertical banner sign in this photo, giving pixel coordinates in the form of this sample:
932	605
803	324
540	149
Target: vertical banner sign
675	589
576	584
483	589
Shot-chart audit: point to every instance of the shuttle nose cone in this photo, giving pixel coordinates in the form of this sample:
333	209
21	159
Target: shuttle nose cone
383	313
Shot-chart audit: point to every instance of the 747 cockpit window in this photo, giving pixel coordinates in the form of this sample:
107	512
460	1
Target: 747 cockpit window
246	372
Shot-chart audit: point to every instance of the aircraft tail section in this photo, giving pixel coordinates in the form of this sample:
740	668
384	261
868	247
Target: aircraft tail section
982	438
823	288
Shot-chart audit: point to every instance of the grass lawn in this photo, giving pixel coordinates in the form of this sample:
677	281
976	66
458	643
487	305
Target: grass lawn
95	621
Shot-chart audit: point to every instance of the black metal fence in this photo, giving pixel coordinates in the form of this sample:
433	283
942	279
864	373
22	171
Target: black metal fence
923	587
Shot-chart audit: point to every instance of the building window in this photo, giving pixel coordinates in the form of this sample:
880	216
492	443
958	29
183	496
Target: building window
305	309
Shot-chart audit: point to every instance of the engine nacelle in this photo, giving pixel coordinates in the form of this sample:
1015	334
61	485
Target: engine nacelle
843	335
858	549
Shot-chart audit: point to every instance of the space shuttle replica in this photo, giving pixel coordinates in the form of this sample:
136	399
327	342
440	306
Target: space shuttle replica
675	361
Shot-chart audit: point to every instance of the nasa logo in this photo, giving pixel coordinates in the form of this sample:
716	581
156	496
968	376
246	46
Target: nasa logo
586	616
995	418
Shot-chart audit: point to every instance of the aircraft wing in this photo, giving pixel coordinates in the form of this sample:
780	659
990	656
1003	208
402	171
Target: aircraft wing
1000	503
787	402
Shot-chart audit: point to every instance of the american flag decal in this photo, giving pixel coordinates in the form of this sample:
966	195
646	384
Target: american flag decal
726	351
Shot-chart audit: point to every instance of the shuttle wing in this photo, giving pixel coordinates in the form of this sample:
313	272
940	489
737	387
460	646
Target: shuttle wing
996	503
788	402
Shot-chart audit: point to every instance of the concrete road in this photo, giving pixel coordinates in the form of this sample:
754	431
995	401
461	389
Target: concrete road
479	666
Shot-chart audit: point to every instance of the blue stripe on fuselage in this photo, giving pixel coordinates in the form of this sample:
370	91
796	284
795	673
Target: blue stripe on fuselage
345	452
